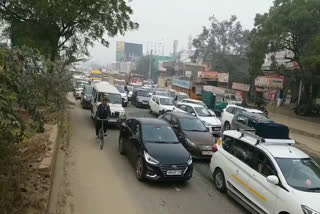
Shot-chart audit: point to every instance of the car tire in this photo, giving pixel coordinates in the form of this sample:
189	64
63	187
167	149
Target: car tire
121	146
227	126
140	169
219	180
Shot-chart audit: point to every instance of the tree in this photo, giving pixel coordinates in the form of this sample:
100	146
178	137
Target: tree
222	46
290	25
68	27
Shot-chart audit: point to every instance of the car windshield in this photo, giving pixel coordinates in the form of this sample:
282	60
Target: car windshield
143	93
88	90
158	134
301	174
183	96
192	124
202	112
166	101
120	89
112	98
81	84
96	76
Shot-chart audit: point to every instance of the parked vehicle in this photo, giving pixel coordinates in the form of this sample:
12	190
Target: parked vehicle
209	119
266	175
197	139
86	96
154	149
160	104
79	87
105	89
229	112
124	95
140	98
248	121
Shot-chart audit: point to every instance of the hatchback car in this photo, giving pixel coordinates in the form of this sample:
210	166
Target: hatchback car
86	96
208	118
140	98
160	104
266	175
192	133
154	149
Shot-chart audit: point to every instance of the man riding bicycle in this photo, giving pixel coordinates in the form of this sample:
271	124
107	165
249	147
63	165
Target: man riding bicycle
103	112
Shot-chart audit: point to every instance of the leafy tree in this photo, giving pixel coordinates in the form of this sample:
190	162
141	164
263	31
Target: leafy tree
290	25
64	27
222	46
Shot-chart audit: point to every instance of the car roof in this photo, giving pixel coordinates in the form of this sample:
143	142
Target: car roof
192	100
278	148
251	110
182	114
151	121
106	87
192	105
161	96
259	117
181	93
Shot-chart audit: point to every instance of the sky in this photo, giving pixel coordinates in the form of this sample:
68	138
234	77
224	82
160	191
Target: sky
163	21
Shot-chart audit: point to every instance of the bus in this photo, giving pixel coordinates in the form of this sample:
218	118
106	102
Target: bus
96	75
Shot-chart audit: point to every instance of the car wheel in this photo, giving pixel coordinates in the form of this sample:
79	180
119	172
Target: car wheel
219	180
121	146
140	169
227	126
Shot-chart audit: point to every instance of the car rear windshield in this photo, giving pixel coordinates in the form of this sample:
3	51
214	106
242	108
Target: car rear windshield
301	174
143	93
192	124
158	134
166	101
202	112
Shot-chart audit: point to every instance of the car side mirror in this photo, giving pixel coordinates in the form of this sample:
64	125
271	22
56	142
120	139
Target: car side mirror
157	102
272	179
194	114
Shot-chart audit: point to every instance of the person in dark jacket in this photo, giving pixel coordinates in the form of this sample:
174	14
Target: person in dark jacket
103	112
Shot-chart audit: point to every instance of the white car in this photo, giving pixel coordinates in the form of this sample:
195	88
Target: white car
160	104
208	118
124	95
229	112
199	102
266	175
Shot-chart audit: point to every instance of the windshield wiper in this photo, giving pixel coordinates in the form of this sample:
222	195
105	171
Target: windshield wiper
314	189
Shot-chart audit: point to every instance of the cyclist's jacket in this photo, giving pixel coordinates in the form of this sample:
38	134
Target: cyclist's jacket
103	112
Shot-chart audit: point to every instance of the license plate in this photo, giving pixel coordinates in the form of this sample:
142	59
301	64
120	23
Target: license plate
207	153
174	172
216	129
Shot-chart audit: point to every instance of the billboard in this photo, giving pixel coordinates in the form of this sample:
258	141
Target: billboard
208	75
128	52
269	82
223	77
240	86
182	83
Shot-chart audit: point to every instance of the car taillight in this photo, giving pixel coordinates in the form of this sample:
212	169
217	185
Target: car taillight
214	148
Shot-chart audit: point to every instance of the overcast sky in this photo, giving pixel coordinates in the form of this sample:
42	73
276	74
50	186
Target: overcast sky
162	21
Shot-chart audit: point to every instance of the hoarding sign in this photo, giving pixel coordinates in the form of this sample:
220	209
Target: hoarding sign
223	77
208	75
188	74
269	82
182	83
240	86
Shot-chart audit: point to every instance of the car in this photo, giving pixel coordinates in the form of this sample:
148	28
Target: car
232	99
103	90
147	88
124	95
197	139
160	104
229	112
161	93
248	121
208	118
130	89
266	175
86	96
140	98
193	101
180	96
154	149
79	85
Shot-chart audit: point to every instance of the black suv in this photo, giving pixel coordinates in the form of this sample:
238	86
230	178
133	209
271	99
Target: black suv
248	121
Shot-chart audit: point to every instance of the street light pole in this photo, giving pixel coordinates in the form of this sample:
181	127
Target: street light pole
150	63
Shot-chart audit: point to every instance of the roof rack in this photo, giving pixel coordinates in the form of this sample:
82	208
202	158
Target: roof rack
251	133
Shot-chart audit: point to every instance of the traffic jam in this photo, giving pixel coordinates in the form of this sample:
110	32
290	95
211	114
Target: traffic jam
251	157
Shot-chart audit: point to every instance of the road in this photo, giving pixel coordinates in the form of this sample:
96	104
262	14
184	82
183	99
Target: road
104	181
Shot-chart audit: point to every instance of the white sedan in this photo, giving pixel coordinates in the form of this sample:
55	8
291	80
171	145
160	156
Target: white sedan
160	104
208	118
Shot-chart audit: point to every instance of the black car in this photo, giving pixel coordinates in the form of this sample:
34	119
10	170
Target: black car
140	98
247	120
86	95
154	149
196	138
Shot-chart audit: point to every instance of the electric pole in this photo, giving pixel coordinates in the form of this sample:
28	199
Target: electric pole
150	63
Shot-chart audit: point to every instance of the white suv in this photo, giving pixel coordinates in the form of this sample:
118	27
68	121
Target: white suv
266	175
228	113
160	104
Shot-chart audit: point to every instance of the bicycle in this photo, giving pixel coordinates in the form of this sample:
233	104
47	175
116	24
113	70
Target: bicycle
101	133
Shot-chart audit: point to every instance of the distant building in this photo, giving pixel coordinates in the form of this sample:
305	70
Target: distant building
128	52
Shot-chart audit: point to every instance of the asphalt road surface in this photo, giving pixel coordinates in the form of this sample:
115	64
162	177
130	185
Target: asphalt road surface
104	181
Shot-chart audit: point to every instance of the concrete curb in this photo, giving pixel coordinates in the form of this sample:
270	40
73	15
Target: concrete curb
302	132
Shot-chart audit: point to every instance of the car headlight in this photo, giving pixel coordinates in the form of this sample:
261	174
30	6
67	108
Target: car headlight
206	123
189	142
190	160
150	159
308	210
